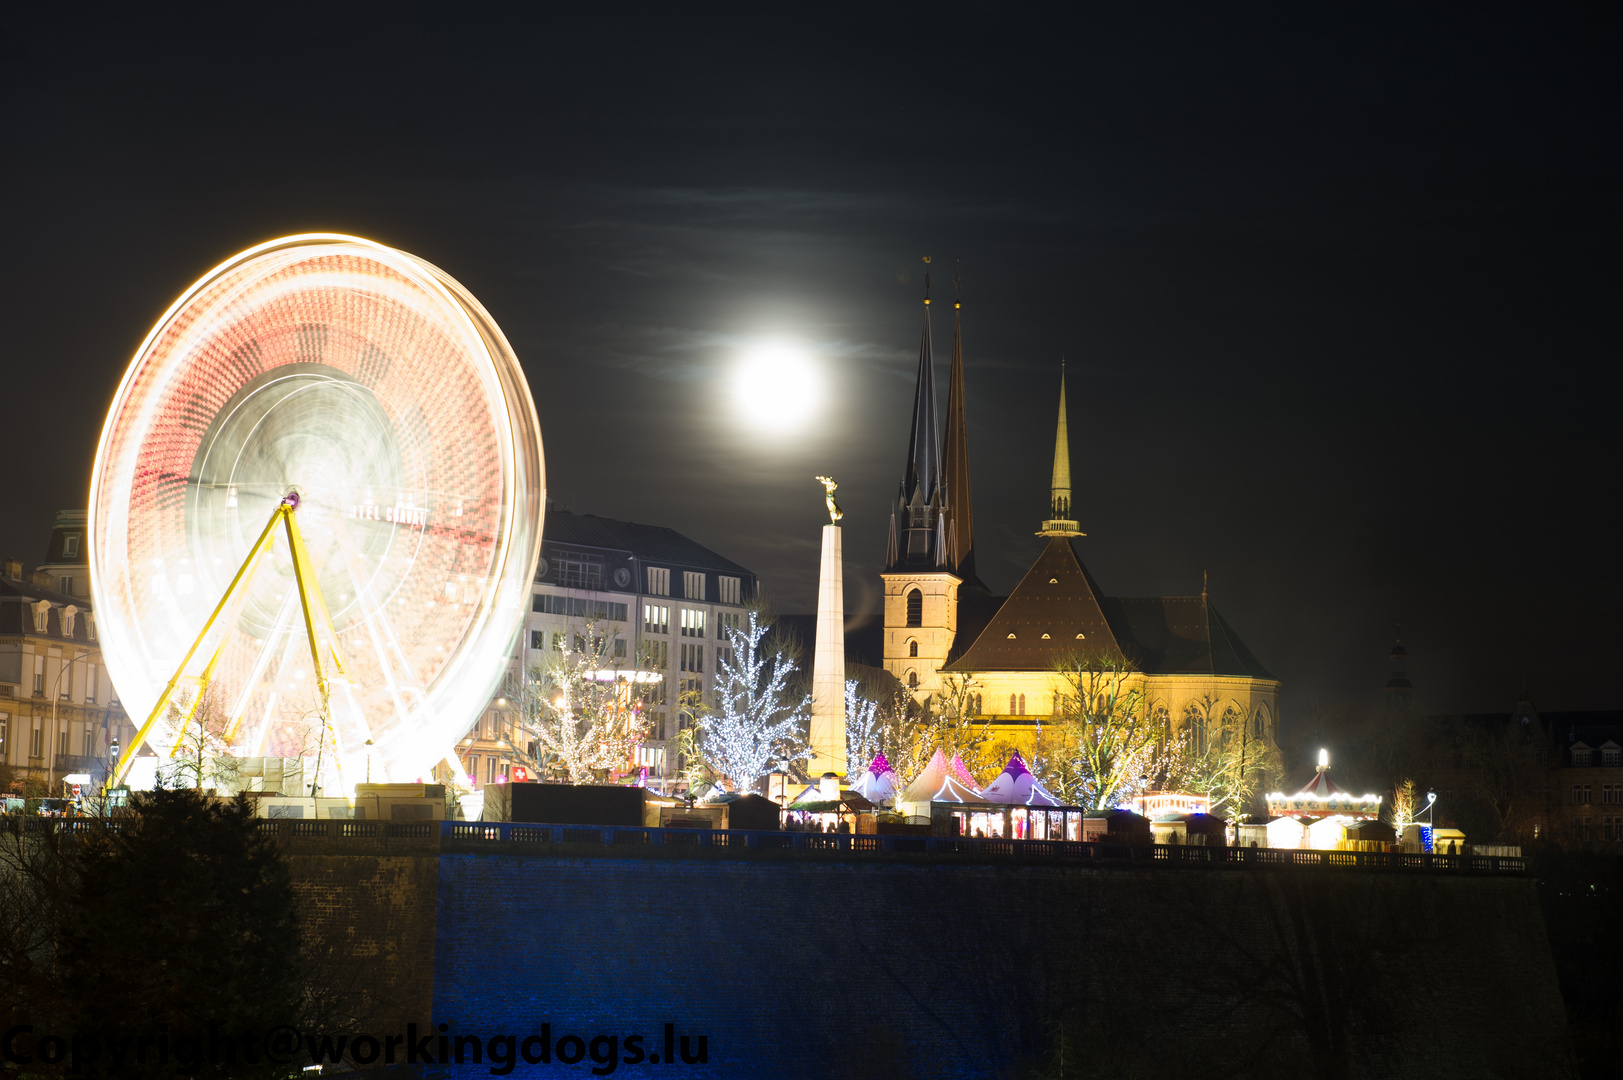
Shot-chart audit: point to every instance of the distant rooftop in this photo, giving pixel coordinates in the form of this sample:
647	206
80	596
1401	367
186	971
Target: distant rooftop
646	543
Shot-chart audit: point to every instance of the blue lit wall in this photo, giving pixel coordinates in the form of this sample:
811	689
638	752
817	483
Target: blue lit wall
800	969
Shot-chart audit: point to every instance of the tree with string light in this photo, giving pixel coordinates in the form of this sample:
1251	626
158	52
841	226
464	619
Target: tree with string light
756	722
583	715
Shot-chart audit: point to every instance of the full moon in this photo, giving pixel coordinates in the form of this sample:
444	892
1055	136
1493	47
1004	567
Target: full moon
775	386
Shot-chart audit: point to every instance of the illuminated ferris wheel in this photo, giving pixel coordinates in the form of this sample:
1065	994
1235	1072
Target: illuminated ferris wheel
316	505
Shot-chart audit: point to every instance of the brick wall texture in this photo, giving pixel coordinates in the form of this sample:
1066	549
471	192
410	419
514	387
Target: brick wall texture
801	969
371	917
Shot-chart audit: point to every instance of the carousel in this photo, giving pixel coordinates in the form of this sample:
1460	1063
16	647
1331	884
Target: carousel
1319	815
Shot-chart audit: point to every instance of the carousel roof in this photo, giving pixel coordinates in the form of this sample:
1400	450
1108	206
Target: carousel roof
1323	797
1015	784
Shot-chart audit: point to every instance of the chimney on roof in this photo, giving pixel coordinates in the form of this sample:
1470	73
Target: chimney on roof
12	568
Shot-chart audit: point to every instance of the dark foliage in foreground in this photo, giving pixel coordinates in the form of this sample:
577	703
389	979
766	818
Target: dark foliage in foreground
176	918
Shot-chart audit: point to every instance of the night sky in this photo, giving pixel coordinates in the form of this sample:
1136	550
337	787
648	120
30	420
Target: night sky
1337	289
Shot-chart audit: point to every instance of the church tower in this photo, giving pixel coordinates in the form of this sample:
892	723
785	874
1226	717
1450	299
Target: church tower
927	534
1399	691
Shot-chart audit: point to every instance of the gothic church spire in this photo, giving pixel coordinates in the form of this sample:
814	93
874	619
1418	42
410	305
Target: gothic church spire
960	531
917	528
1060	522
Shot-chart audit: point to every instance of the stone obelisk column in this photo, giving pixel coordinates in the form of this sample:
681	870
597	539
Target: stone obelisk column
828	662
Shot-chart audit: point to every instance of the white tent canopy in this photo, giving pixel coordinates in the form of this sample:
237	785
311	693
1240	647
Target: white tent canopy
1015	784
937	784
878	781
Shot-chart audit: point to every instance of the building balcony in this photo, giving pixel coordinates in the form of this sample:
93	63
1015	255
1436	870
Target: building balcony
72	763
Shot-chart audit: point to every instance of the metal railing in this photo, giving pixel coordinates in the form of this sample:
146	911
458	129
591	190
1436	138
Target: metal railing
488	836
503	834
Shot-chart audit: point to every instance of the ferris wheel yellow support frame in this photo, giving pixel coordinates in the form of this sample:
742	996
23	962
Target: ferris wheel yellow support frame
195	672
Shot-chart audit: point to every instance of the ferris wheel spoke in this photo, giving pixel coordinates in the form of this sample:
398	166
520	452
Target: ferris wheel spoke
283	623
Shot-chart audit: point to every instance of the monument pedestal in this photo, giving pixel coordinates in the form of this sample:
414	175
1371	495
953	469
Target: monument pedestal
828	663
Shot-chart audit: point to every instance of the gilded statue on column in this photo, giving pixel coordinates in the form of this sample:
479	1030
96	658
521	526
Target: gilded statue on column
834	511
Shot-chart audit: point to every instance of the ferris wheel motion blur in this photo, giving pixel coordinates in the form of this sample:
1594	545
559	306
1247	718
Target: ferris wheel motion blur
316	513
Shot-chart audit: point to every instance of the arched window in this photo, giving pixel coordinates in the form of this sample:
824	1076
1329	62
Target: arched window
912	680
1161	724
915	608
1022	704
979	708
1013	701
1195	721
912	648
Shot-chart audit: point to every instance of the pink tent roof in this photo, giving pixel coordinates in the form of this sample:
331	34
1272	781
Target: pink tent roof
937	784
1015	784
961	771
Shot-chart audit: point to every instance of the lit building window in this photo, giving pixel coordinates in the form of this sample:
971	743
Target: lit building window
659	581
656	619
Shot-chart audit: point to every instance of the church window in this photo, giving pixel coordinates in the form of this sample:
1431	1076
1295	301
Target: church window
912	648
912	680
979	708
1195	721
1013	701
1022	704
915	608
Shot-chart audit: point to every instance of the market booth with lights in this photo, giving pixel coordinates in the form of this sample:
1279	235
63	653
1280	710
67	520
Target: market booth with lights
1014	806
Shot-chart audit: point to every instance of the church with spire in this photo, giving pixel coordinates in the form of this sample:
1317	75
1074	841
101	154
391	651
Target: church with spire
1006	652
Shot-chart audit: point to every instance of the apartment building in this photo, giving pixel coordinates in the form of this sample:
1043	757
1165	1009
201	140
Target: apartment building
660	601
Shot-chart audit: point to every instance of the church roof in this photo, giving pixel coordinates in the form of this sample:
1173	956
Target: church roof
1181	635
1159	635
1054	613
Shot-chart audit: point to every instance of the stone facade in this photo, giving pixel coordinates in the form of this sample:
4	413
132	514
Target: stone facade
59	711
